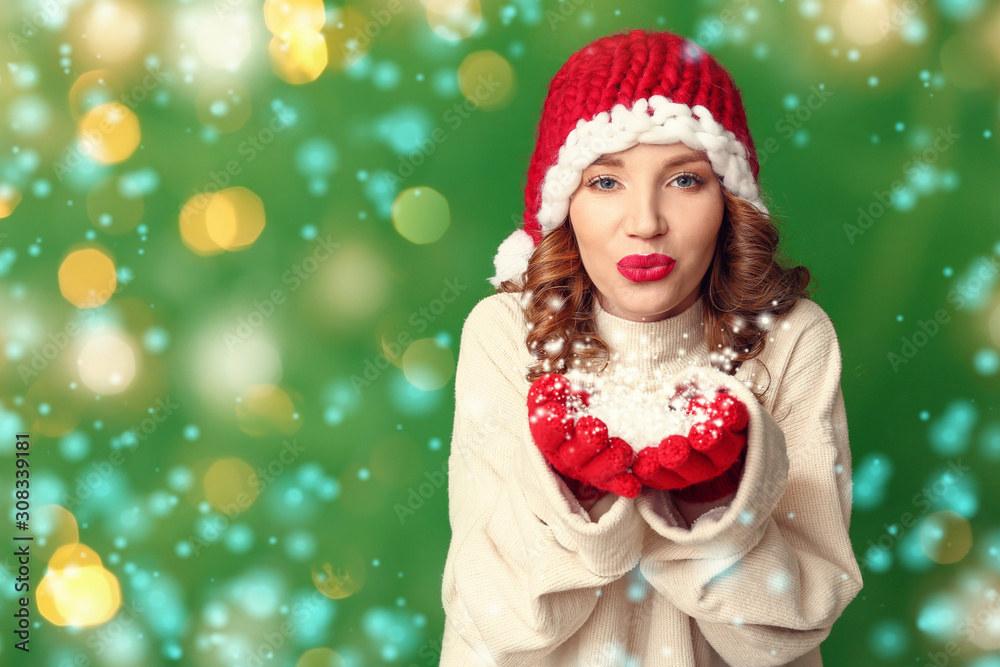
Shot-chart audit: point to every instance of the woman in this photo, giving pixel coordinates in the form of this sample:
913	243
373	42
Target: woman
647	256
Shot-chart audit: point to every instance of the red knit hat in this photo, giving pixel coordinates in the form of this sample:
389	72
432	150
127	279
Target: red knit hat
616	92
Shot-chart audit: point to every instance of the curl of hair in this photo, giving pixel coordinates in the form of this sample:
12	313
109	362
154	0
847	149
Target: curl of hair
744	289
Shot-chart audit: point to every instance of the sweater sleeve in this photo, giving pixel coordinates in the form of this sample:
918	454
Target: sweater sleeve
526	562
766	576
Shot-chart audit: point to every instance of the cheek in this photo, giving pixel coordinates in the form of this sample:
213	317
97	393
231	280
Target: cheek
587	229
709	240
590	249
700	240
707	233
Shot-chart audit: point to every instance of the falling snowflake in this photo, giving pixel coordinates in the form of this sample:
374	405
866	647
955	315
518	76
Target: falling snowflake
526	298
637	591
613	654
778	582
554	345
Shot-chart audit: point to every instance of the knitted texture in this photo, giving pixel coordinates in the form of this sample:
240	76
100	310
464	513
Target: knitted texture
583	450
717	487
533	579
581	490
579	449
702	492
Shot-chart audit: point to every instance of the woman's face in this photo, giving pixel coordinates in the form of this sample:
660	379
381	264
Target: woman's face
648	199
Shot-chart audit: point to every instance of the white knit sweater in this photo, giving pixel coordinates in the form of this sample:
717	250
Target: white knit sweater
533	579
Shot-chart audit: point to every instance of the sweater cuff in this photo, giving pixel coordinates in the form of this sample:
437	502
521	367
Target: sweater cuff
609	547
761	485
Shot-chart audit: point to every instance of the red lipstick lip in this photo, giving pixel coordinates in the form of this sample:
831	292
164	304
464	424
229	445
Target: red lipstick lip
646	268
645	261
640	275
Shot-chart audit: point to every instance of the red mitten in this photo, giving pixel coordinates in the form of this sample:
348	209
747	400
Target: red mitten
707	463
580	451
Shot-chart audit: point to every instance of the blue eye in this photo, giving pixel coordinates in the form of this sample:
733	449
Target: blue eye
601	179
694	178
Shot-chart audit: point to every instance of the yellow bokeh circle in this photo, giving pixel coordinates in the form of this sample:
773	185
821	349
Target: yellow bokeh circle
266	409
230	485
107	363
454	20
341	576
428	365
864	21
76	589
486	80
234	218
282	16
991	37
356	285
347	37
225	39
78	554
55	525
299	55
109	133
321	657
87	278
982	611
114	29
421	215
79	596
194	226
945	536
10	197
92	89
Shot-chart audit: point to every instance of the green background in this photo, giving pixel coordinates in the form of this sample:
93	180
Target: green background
366	448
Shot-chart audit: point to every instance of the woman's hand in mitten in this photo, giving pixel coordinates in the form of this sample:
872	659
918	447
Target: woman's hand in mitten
580	451
706	463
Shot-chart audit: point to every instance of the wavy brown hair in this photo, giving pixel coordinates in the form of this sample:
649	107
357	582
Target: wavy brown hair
744	282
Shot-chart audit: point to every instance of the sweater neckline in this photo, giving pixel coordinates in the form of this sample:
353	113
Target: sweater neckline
652	350
664	331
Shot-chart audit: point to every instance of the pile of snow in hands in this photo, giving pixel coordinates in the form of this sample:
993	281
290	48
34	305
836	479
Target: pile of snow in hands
640	415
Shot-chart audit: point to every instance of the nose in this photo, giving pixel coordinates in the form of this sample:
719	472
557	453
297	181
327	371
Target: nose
645	214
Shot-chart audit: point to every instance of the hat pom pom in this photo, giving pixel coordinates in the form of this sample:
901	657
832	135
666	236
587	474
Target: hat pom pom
512	257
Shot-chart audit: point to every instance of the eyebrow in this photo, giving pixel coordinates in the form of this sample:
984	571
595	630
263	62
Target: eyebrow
683	158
